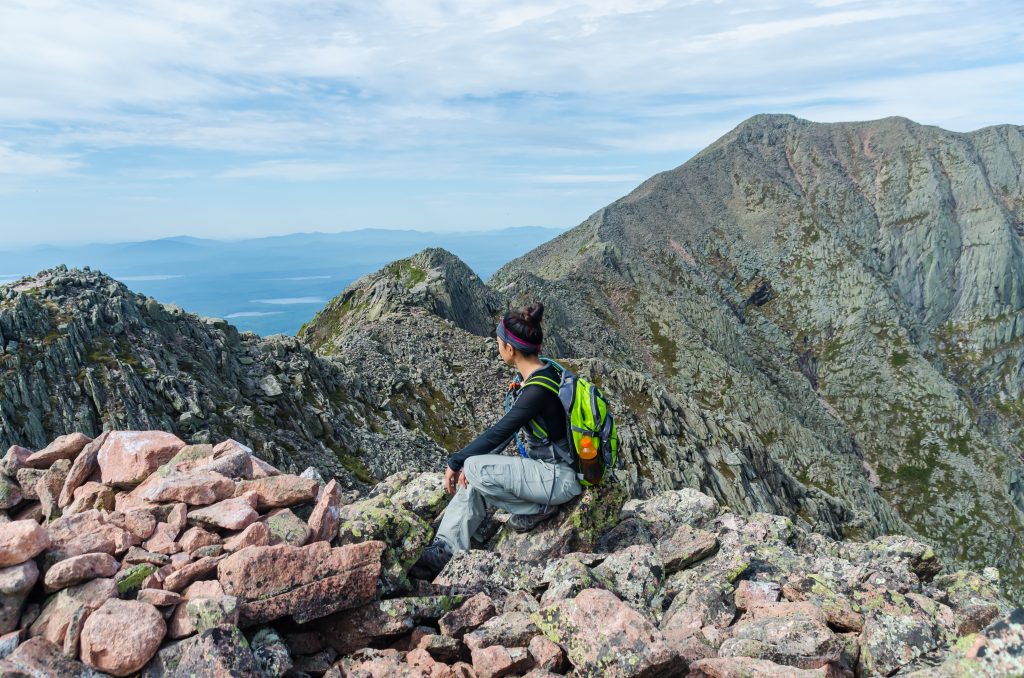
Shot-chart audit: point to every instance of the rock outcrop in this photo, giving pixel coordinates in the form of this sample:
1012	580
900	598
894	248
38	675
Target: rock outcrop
80	352
849	294
672	585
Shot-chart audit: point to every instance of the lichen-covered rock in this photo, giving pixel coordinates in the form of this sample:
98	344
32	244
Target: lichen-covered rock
284	527
604	636
373	663
421	493
121	636
305	583
404	533
636	576
476	570
974	599
205	613
129	580
565	578
685	546
136	555
159	597
16	582
665	512
471	614
745	667
834	597
273	660
793	639
180	625
514	628
441	648
702	600
10	494
27	479
577	527
218	651
898	629
920	557
381	620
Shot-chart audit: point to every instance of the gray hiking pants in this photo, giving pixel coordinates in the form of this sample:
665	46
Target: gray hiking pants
516	484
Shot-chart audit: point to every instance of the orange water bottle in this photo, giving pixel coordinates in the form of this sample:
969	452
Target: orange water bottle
590	464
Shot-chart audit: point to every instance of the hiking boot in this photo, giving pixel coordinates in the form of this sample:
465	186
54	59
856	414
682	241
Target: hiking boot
434	558
525	523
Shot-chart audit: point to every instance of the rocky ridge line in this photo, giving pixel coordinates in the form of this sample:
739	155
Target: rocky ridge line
135	553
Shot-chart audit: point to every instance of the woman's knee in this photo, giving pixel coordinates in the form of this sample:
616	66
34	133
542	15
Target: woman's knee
480	473
473	469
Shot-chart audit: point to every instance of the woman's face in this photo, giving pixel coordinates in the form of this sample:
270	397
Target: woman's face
505	351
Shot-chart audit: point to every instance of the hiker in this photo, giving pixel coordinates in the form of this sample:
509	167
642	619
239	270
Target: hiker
530	485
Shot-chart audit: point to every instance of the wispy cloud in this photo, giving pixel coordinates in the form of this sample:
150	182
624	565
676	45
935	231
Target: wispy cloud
182	95
19	163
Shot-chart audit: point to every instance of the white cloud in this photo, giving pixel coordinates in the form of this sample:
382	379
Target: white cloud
290	170
21	164
534	92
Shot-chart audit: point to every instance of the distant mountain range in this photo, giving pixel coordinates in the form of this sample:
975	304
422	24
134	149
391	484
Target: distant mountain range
267	285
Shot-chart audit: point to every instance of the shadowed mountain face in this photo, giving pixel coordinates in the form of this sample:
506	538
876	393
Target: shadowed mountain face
818	321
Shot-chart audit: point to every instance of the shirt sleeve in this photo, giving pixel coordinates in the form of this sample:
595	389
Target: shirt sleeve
528	405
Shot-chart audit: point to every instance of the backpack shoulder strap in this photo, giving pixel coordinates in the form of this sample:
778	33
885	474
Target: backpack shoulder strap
544	382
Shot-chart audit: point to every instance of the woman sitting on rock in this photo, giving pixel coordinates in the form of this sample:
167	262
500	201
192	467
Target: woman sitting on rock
530	485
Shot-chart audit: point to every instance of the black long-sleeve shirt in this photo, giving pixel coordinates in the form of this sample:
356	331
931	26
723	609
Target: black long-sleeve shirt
534	402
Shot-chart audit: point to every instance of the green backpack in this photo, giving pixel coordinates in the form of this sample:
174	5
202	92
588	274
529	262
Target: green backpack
587	414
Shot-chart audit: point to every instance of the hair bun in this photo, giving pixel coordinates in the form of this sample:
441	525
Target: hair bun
535	313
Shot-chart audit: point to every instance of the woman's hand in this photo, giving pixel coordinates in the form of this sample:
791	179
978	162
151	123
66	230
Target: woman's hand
451	480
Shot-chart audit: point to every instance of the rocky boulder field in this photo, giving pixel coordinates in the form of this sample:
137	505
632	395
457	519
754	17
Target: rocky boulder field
138	554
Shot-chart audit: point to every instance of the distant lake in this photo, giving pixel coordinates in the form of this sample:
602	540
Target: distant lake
269	285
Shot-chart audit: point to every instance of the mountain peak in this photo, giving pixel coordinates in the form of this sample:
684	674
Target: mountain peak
433	279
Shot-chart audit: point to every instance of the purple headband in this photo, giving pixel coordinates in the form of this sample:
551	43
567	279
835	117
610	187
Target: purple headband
509	338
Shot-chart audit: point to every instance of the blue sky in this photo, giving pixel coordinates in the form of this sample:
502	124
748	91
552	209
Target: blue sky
234	118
